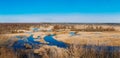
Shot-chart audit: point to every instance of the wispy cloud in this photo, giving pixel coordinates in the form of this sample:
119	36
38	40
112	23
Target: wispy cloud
75	18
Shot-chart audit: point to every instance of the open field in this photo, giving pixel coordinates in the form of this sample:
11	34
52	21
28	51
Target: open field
86	38
92	38
89	41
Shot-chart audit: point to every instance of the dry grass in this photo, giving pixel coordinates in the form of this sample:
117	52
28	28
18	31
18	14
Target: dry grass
52	52
75	51
92	38
6	53
76	42
3	40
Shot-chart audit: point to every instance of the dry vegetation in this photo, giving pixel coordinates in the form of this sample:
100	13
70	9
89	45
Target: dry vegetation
86	36
6	53
8	28
75	51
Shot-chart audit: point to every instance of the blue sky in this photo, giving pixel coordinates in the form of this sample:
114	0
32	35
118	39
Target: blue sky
80	11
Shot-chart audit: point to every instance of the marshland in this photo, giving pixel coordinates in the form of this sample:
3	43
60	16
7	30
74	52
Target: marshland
59	40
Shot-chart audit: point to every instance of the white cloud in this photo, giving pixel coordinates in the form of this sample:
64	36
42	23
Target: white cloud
75	18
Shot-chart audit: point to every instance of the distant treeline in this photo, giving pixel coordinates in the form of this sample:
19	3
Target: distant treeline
13	27
86	28
6	28
95	28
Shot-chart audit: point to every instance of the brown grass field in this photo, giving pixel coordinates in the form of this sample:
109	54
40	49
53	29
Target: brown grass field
102	35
